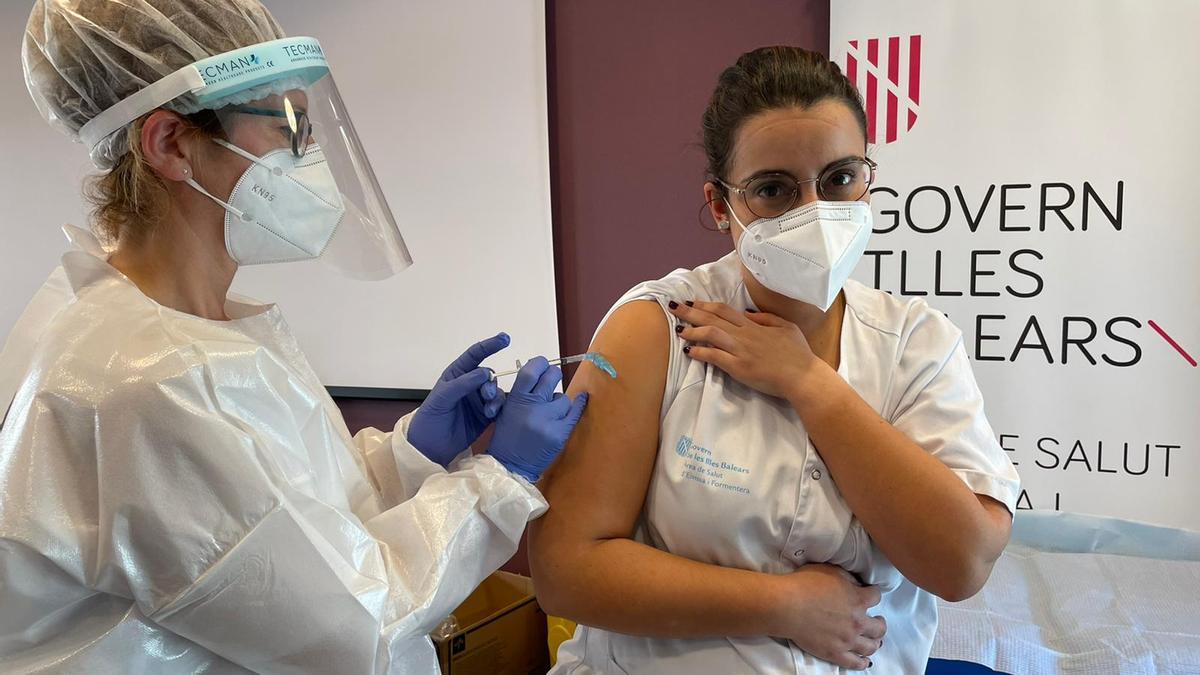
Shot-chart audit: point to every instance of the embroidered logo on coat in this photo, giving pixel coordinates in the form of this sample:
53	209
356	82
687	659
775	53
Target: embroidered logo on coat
685	444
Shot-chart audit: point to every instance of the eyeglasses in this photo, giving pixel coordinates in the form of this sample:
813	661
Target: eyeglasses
299	128
773	194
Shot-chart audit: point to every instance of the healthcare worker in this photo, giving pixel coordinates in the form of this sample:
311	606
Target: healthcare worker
179	493
799	463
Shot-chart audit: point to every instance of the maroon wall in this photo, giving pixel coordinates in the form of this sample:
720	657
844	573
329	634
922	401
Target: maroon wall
381	414
629	81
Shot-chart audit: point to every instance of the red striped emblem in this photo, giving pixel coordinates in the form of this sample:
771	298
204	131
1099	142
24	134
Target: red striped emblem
888	73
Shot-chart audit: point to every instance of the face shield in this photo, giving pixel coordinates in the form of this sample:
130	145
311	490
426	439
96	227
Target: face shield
309	190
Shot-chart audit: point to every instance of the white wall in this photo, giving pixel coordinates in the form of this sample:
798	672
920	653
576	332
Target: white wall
40	176
1031	95
450	101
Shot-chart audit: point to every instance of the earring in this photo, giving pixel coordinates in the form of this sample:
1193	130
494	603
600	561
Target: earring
187	172
723	225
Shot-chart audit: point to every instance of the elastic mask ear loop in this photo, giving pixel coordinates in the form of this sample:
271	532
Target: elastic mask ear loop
257	160
733	215
196	186
238	151
737	220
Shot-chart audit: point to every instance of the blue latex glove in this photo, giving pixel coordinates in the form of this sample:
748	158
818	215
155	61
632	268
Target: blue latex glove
462	403
535	422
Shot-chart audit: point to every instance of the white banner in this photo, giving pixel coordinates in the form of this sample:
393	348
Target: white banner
1037	183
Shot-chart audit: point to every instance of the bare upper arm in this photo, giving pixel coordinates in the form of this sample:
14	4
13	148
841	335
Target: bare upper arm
597	486
1000	521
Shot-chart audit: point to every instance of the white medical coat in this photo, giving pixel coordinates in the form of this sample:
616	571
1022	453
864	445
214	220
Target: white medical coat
182	495
737	483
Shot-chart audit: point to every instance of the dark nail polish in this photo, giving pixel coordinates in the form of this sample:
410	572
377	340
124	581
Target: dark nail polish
690	303
673	305
679	329
687	349
870	664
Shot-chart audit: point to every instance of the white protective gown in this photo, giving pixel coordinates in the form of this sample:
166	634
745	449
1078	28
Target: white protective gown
737	483
181	495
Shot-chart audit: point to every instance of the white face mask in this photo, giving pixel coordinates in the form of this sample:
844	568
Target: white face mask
807	253
282	209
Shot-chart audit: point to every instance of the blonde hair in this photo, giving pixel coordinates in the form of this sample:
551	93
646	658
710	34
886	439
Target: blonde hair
130	200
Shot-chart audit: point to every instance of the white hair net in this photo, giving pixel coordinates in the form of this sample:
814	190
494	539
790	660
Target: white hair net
81	57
